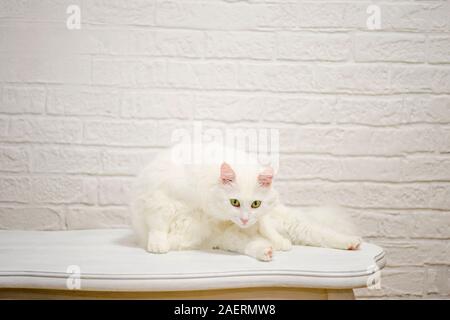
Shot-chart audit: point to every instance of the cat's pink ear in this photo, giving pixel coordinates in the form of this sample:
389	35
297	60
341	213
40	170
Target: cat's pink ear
227	174
265	178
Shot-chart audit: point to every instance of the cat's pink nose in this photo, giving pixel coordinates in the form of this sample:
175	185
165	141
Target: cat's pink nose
244	221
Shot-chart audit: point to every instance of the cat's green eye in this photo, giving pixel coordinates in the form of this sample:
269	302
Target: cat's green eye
235	202
256	204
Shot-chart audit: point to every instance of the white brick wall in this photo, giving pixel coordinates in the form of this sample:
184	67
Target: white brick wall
364	116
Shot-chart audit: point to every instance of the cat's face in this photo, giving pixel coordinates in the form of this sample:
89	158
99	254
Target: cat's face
243	195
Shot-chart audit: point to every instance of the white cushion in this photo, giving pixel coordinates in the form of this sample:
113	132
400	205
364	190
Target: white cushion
109	260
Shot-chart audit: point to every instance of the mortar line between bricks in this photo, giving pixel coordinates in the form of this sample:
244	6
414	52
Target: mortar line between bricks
119	176
248	123
244	92
256	28
261	61
253	91
313	31
385	211
354	210
265	61
206	91
365	181
447	210
156	148
183	121
401	240
289	181
55	206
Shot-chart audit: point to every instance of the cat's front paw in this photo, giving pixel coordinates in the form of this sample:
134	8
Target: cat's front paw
157	243
261	250
282	244
265	254
158	247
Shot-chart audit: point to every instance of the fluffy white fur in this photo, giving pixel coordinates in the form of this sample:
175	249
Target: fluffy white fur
178	206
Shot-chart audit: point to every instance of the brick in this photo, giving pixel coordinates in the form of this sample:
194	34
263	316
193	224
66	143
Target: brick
405	17
81	218
420	79
138	42
63	190
311	47
317	16
122	162
45	130
143	133
428	109
47	39
83	102
66	160
4	125
114	191
439	49
416	253
20	100
132	42
33	218
227	107
13	159
276	77
119	12
437	280
304	110
379	111
58	69
395	48
398	224
114	41
344	16
117	41
233	44
202	75
48	10
153	105
144	73
209	15
352	79
438	16
409	169
364	141
15	189
330	15
367	195
186	43
282	15
430	225
372	111
405	282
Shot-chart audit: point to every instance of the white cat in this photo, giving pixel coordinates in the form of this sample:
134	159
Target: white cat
227	202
